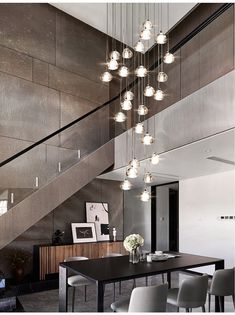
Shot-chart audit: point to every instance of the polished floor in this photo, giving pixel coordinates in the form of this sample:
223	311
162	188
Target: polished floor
47	301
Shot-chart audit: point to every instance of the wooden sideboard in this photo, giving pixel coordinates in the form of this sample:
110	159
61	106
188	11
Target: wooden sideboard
48	257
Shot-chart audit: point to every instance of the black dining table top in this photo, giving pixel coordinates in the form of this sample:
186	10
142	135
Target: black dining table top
113	269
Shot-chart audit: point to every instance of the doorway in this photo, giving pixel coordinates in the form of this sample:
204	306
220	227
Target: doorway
165	217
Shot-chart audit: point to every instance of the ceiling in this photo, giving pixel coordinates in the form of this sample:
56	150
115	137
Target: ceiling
95	14
187	162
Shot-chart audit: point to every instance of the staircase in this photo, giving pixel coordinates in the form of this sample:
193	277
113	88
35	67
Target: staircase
39	202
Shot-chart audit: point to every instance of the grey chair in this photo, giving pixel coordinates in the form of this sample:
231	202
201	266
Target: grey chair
191	294
222	284
75	281
120	286
144	299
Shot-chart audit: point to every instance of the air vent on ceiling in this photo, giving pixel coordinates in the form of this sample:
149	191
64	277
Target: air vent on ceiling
218	159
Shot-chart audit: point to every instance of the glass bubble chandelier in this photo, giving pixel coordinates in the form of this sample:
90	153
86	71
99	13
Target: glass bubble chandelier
129	65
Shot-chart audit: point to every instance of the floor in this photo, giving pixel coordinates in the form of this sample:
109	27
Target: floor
47	301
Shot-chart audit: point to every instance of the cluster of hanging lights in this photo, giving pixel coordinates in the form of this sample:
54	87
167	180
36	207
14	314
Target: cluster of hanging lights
118	65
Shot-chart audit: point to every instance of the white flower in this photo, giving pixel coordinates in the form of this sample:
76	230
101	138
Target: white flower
133	241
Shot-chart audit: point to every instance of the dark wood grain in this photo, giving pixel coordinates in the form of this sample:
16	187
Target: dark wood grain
50	257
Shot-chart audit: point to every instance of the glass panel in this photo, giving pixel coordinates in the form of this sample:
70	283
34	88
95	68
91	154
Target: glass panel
29	172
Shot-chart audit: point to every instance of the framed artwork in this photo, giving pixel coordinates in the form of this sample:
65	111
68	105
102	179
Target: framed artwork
83	232
98	213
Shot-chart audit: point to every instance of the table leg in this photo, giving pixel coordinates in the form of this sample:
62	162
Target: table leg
219	303
169	279
63	289
100	296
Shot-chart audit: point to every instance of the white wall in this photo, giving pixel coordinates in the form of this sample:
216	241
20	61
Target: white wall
202	201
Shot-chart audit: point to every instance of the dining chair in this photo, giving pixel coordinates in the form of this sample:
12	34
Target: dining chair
75	281
191	294
222	284
143	299
120	286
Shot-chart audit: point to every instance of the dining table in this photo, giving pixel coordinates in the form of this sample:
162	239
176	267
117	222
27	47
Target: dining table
102	271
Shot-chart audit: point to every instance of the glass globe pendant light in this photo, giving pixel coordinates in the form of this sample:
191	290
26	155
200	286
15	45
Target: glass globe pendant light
162	76
141	72
169	58
125	185
134	163
131	172
106	76
145	34
145	195
128	95
149	91
127	53
114	55
139	128
148	25
159	95
155	159
120	117
139	47
147	139
112	64
123	72
148	178
161	38
126	105
142	110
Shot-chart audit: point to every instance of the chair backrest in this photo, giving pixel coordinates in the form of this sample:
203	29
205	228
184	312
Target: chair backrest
75	258
192	292
222	283
149	299
112	255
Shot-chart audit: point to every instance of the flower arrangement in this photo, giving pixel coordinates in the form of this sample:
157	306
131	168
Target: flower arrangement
133	241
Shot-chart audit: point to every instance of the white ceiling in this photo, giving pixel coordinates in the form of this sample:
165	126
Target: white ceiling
95	14
188	161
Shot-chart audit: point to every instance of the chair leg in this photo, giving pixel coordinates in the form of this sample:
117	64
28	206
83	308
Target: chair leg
85	299
114	295
209	302
146	281
187	310
120	287
73	298
221	304
203	309
178	309
163	279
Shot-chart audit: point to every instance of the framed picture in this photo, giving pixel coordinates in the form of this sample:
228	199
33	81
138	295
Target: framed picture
98	213
83	232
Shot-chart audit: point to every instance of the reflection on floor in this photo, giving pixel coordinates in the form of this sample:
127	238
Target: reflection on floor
47	301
